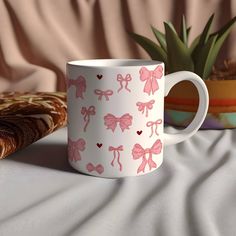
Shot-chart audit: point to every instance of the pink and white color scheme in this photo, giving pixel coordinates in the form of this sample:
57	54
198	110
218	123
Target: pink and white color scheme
80	86
87	112
139	152
154	126
74	149
112	121
103	93
150	77
115	115
124	81
116	155
144	107
98	168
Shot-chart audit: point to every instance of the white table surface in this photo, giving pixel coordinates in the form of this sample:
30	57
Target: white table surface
193	193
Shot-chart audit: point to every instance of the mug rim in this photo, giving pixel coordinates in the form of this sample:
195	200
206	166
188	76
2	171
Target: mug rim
113	63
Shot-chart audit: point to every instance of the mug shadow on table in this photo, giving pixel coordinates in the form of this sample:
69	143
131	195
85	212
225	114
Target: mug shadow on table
53	156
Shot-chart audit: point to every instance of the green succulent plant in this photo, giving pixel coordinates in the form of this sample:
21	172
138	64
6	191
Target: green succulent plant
173	48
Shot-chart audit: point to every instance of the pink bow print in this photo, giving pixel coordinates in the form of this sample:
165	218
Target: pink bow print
139	152
80	85
87	112
152	124
151	76
111	121
142	106
74	148
126	80
105	93
99	168
116	150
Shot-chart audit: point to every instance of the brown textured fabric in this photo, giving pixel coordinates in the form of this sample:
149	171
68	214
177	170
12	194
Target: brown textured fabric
37	37
25	118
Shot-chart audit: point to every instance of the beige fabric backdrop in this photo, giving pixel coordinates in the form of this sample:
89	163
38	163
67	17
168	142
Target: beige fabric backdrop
37	37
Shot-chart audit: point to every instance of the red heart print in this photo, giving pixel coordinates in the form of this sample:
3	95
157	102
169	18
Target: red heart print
99	76
99	145
139	132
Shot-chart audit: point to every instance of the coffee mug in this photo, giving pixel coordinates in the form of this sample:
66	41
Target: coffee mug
115	115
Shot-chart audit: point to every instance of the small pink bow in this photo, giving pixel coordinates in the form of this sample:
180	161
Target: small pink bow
125	79
151	76
87	112
152	124
142	106
139	152
105	93
99	168
80	85
74	148
111	121
116	150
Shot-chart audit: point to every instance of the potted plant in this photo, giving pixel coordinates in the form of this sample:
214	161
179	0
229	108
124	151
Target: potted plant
199	57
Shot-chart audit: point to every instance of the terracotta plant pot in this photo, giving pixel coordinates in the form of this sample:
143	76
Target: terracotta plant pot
182	102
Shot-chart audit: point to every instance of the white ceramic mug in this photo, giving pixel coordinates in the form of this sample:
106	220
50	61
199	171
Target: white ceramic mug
115	115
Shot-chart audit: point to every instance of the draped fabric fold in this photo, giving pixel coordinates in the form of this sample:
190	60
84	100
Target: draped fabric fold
37	37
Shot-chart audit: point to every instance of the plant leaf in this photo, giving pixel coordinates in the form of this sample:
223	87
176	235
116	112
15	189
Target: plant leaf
203	37
160	37
179	57
225	28
203	65
206	31
223	33
171	26
153	50
188	31
194	44
219	42
183	31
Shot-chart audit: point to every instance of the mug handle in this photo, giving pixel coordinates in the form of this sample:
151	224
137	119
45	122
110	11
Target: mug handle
170	81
